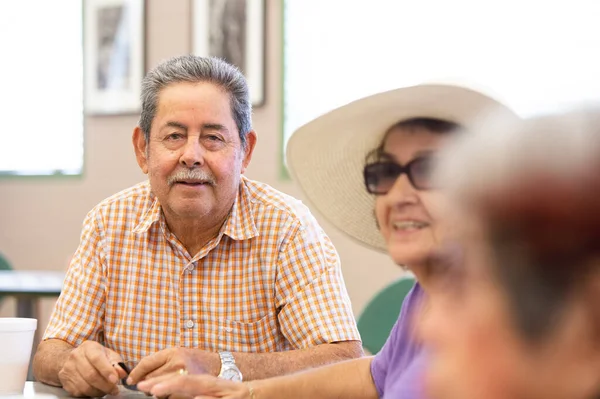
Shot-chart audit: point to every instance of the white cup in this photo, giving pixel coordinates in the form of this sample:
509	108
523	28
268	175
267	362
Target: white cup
16	340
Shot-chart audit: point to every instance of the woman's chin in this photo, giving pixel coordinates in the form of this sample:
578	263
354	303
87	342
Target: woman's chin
411	254
410	259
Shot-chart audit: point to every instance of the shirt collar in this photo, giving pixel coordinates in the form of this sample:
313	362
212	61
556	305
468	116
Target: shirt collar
151	214
239	224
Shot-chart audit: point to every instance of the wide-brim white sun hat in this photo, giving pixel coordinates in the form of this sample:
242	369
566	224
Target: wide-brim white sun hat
327	155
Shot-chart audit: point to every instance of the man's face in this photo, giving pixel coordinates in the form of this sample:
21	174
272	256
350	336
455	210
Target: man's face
194	158
466	324
477	349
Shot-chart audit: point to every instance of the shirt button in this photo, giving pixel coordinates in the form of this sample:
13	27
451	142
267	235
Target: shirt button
190	268
189	323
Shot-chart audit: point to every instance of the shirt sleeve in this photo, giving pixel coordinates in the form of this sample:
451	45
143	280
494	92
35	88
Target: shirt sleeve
399	341
381	361
79	312
310	292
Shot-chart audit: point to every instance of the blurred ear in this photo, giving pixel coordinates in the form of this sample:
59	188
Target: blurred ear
141	148
574	345
592	293
250	143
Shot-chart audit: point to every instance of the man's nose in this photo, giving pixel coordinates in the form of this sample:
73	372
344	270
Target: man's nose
193	153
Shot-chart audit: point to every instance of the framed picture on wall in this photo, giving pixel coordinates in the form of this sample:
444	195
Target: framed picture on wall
113	44
235	31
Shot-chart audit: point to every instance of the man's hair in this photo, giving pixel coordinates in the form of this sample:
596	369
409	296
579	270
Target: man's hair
433	125
195	69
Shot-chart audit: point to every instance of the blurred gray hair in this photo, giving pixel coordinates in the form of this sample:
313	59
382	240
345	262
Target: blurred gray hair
194	69
498	151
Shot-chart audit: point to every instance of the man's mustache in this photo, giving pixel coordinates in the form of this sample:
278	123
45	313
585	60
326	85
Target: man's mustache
199	175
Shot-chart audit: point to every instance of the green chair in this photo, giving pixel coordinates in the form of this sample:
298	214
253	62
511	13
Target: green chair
4	265
378	318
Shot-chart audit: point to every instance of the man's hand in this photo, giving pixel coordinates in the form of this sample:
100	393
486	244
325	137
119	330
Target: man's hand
88	371
205	386
172	360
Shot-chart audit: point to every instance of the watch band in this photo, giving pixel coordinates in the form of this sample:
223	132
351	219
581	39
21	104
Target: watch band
226	359
229	370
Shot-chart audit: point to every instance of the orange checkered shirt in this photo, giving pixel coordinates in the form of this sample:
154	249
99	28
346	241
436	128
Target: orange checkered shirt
270	281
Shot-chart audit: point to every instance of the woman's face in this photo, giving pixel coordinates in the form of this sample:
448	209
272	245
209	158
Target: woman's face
407	217
477	351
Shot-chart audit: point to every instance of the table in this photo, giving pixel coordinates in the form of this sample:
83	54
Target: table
32	388
28	287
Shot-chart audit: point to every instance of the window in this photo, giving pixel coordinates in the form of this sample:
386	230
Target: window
535	55
41	99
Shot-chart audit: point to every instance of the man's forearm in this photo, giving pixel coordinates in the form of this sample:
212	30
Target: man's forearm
49	360
350	379
256	366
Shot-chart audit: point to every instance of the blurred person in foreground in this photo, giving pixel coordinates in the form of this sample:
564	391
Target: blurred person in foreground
366	167
198	269
519	316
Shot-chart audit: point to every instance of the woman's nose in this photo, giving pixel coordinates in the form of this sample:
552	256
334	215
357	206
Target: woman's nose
402	190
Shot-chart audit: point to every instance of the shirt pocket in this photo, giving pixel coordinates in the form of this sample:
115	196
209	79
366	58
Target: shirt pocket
258	336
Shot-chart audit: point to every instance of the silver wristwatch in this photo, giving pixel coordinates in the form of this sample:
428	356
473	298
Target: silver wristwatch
229	370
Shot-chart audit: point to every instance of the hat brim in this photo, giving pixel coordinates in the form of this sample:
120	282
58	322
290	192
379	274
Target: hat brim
326	156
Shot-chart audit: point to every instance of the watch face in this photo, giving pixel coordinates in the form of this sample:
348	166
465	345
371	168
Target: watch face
231	374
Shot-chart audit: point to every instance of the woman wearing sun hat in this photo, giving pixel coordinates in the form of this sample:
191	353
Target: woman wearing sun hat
371	156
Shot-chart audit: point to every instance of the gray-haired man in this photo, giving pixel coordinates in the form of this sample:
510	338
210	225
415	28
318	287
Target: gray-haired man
199	269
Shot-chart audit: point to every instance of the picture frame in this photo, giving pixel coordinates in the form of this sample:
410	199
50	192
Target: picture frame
235	31
114	55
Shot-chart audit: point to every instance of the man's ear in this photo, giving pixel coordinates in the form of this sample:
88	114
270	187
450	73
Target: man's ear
250	143
141	148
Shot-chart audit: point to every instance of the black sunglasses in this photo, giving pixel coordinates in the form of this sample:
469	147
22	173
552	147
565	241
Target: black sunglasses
381	176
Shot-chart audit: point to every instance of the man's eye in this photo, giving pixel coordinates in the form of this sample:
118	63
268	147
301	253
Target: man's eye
213	137
174	136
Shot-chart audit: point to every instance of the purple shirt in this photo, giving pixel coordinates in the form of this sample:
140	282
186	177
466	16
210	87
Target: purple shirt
397	369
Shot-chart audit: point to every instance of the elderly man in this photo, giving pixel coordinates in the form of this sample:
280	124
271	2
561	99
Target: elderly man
198	269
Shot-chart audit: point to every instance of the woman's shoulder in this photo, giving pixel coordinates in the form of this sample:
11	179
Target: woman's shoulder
402	331
412	300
